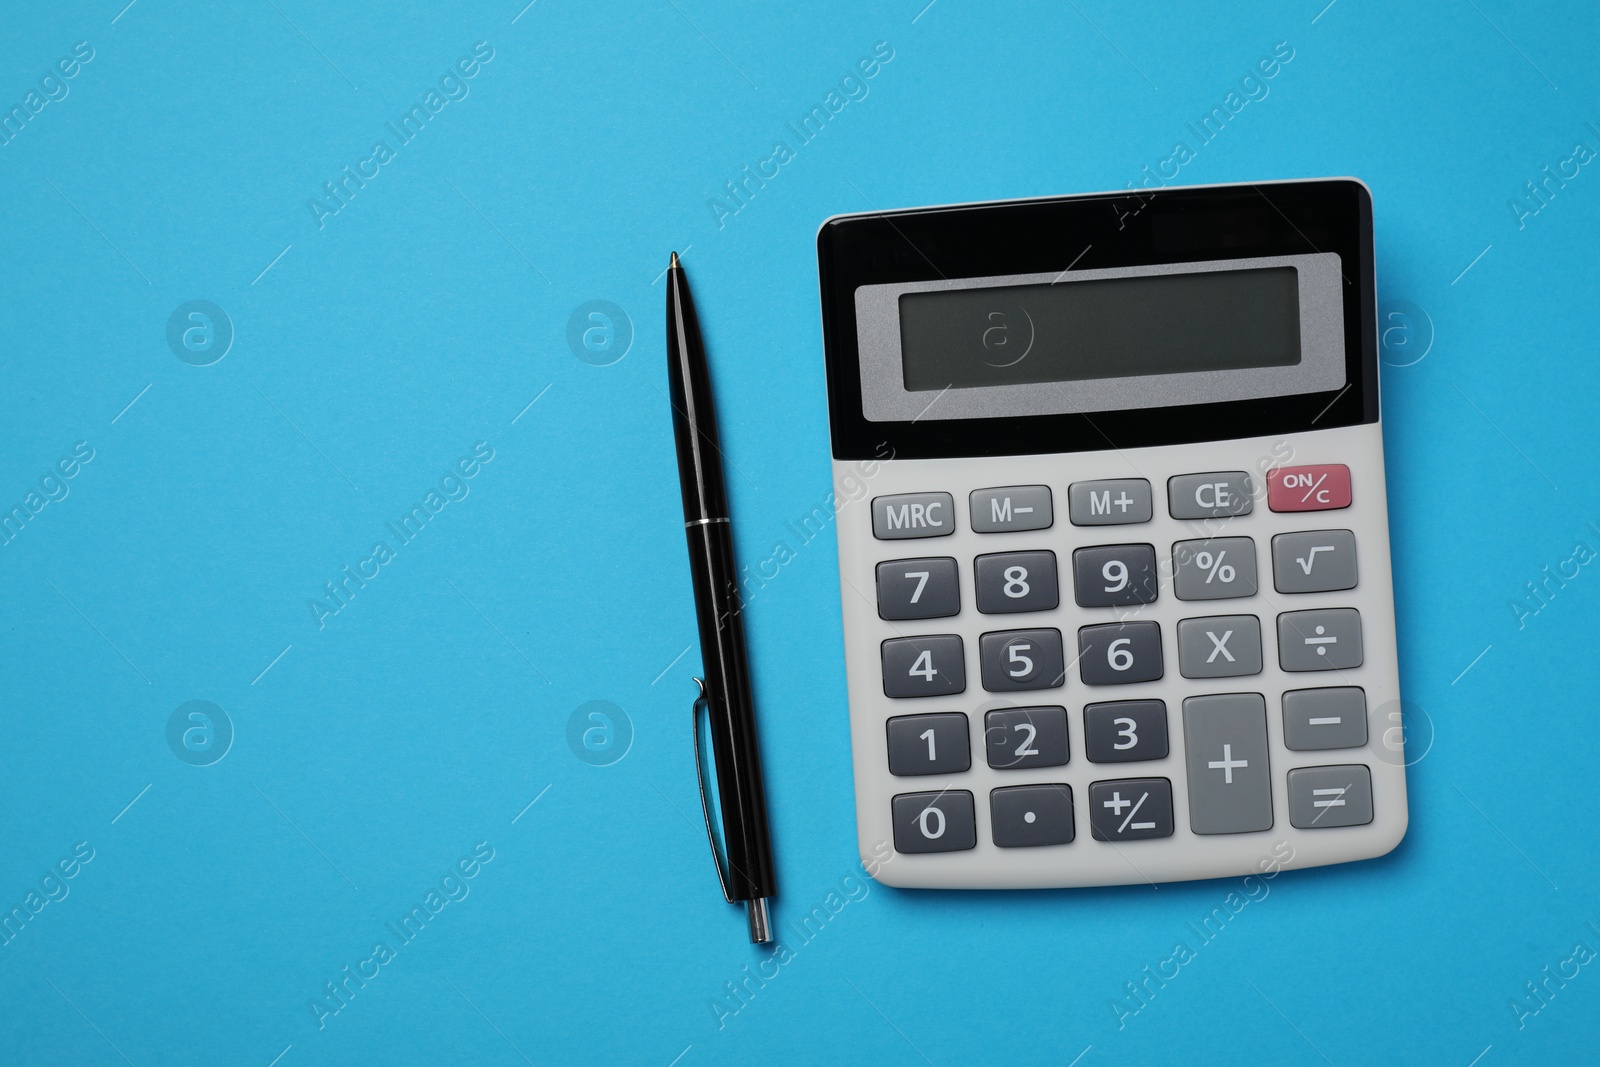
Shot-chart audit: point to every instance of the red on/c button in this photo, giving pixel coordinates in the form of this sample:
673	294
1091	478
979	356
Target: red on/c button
1322	487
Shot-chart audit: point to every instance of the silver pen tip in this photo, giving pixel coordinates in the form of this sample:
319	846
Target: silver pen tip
760	923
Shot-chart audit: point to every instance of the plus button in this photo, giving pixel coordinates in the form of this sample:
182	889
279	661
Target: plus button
1226	764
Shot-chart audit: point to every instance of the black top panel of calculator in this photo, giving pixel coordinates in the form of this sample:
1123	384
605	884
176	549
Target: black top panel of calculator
1108	230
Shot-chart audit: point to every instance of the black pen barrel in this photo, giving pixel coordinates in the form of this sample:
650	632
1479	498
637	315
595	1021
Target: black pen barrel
733	737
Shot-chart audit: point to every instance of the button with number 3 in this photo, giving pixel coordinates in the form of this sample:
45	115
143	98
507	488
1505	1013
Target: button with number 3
1125	731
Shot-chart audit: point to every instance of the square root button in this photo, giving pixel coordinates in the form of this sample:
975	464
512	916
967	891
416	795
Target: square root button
1322	487
1321	797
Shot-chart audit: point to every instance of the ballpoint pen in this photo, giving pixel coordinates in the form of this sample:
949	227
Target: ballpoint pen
725	692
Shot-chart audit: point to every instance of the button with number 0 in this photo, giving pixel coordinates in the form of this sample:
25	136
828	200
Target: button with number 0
934	822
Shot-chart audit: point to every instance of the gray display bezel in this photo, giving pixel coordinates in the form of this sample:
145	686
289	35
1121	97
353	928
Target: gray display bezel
884	397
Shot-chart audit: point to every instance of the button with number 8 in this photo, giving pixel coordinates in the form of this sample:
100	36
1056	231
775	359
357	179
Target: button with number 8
1015	581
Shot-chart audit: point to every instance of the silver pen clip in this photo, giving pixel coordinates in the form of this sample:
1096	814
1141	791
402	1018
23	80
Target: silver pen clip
702	701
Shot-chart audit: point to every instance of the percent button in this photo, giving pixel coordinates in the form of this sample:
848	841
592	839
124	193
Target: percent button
1220	568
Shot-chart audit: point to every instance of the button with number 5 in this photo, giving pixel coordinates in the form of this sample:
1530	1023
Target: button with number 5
1125	731
1117	653
1021	659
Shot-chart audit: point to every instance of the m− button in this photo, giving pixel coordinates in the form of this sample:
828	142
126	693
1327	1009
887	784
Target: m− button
1016	507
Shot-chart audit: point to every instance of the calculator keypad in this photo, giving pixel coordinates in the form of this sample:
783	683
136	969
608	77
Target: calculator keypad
1229	769
1018	739
932	666
1015	581
918	589
1119	653
1108	576
1223	646
1015	660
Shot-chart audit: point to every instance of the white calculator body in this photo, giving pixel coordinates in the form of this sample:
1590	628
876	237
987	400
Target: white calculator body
1113	538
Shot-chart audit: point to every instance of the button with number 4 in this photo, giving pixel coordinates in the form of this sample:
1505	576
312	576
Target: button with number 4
1125	731
932	666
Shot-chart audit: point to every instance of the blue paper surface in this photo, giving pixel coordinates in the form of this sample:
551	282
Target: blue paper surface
388	721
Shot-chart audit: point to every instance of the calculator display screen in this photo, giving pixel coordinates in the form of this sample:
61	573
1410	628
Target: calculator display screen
1109	328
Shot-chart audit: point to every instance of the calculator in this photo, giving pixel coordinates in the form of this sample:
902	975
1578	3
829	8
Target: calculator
1113	539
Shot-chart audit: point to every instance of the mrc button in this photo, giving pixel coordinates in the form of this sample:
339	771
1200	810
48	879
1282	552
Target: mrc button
1323	487
913	515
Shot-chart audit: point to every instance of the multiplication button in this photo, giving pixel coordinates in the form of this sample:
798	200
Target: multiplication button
1222	646
1130	809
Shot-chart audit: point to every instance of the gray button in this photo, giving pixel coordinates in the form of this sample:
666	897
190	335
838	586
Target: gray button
1316	561
1130	809
1016	507
1315	719
1022	816
932	666
1320	797
1210	496
929	744
1225	743
1117	653
1019	738
1015	581
918	589
1326	640
1111	502
913	515
1216	569
1124	731
1021	659
934	822
1221	646
1113	575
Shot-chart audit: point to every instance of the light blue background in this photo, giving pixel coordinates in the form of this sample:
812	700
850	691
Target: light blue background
426	715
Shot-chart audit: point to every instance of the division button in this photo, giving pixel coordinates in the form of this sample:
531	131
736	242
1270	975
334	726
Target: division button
1325	640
